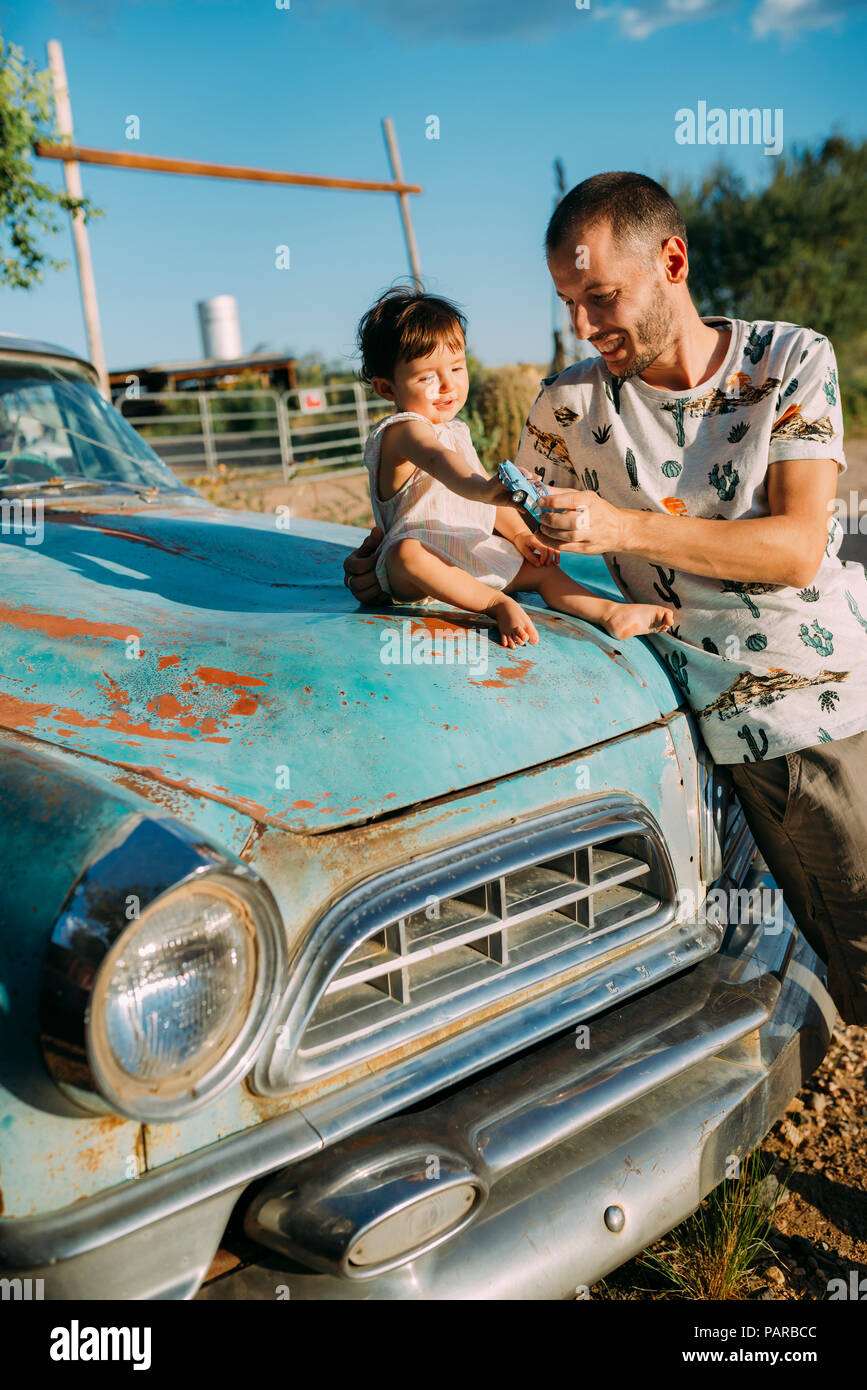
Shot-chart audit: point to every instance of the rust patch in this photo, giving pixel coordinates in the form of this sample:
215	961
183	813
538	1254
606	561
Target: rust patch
122	724
56	625
21	714
507	675
240	803
114	693
165	706
211	675
164	661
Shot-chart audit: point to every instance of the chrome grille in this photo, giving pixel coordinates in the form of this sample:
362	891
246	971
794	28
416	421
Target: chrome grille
486	925
458	942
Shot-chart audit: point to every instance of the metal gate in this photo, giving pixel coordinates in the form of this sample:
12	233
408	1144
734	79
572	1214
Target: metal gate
306	430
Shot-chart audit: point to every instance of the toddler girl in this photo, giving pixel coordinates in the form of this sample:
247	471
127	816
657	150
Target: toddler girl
435	503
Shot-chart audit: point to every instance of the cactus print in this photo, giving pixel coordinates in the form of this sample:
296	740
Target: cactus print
631	469
602	434
676	662
818	637
830	387
725	484
666	592
757	746
756	344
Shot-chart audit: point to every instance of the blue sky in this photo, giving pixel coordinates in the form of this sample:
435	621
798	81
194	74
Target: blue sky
514	85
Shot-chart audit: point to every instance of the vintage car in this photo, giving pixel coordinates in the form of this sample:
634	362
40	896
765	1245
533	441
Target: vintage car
407	966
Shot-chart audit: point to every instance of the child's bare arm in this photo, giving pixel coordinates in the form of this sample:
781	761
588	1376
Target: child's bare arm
412	440
511	524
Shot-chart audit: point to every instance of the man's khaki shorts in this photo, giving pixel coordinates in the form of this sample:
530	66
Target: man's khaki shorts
808	815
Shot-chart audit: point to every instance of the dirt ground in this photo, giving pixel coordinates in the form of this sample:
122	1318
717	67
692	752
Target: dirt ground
820	1228
815	1150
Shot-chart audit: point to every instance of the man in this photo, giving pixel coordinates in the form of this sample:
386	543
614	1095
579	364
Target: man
700	457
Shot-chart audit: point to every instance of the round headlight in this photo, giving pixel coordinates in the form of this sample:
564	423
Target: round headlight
153	1017
179	1000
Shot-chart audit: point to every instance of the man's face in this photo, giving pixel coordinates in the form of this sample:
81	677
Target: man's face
616	300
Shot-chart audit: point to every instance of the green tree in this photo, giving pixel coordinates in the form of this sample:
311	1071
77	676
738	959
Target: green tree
794	250
27	206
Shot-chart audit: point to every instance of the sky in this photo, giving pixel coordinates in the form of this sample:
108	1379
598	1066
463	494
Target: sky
303	85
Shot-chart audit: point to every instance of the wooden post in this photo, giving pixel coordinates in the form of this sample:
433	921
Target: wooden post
72	174
397	175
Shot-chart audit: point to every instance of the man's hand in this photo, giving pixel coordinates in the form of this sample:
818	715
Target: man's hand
359	570
535	551
581	521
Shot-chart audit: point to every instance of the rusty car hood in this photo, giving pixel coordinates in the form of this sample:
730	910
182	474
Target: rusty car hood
219	652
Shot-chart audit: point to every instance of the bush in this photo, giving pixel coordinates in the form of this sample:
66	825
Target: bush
497	406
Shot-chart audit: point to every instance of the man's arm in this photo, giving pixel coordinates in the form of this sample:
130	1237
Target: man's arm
783	548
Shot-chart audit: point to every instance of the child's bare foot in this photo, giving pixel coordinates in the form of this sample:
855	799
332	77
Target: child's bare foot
515	627
637	619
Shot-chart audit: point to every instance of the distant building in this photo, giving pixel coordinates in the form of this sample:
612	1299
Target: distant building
272	369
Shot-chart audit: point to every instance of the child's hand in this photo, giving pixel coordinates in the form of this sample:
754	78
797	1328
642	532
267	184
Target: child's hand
534	551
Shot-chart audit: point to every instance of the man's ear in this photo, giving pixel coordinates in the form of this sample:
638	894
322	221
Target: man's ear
675	260
383	387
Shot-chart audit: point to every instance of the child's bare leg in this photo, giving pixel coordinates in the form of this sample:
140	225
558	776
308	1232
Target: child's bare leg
414	571
618	619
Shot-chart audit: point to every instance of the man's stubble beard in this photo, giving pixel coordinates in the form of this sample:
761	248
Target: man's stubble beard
652	336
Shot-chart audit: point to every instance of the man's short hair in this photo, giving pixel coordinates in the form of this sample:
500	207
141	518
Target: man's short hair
639	211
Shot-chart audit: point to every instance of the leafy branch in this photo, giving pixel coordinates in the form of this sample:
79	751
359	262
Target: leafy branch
28	207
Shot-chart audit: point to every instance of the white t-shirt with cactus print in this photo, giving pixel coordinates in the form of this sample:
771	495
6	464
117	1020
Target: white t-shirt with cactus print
768	669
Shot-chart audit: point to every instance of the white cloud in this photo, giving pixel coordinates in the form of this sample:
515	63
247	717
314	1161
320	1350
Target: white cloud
640	23
789	17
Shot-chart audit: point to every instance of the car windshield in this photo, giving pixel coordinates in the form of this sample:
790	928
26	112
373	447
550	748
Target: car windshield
56	429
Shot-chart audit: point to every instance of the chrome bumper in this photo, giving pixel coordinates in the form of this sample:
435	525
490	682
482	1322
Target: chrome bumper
586	1156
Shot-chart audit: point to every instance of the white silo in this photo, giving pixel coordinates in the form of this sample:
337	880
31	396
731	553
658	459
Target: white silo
221	328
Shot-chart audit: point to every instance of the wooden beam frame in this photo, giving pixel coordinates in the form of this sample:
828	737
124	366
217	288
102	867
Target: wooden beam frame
164	164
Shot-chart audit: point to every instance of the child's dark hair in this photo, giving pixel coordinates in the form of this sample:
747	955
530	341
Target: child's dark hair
403	324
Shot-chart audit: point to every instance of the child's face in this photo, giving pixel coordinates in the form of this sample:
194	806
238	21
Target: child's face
435	386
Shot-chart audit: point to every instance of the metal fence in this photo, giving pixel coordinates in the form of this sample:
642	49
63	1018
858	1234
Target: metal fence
301	431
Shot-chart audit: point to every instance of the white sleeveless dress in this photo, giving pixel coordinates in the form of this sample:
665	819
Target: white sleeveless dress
457	529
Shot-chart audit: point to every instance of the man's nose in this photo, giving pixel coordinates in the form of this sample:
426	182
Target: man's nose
581	321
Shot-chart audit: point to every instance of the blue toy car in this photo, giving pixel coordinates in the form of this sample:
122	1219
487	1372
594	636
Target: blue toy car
527	493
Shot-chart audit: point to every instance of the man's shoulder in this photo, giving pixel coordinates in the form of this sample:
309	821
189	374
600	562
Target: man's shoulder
583	373
778	338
